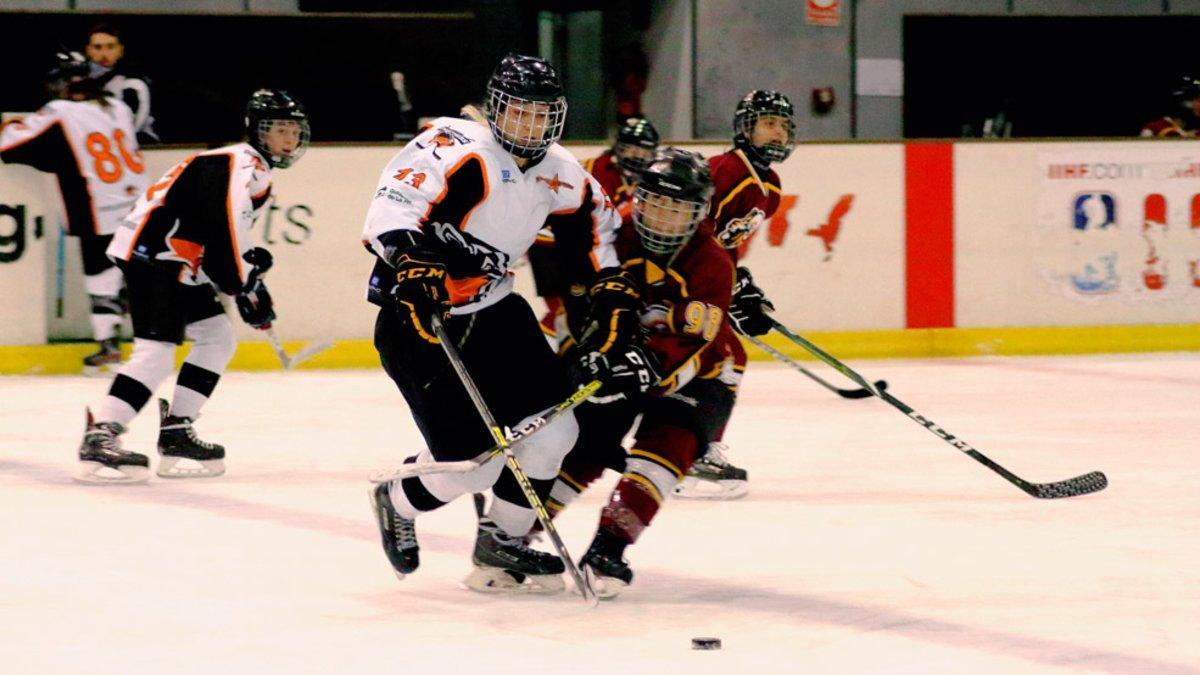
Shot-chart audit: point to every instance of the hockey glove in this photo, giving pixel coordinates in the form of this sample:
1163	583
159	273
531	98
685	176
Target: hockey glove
623	374
612	320
420	289
255	304
749	307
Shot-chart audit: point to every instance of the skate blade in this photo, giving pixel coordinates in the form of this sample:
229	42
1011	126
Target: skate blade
720	490
95	473
493	580
106	370
169	467
607	588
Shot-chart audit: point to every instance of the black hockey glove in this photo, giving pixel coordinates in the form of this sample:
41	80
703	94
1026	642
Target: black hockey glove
260	258
255	304
749	307
623	374
612	319
420	289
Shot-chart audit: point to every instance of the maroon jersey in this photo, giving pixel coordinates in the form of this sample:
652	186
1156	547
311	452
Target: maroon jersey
606	170
686	306
744	198
1168	127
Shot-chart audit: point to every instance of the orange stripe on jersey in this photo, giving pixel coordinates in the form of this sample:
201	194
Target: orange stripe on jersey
188	250
462	290
462	224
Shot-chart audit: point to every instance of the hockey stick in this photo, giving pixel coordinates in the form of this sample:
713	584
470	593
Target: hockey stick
844	393
1071	487
306	352
542	420
582	582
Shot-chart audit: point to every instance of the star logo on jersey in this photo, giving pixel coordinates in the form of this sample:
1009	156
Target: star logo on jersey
554	183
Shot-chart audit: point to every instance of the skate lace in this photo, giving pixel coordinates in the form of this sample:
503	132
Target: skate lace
716	454
104	435
185	424
405	533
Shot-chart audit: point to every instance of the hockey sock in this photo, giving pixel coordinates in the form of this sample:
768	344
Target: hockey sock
104	289
149	364
214	347
660	456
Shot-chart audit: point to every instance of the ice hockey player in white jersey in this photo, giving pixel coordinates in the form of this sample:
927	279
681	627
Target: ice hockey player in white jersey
187	238
87	140
452	212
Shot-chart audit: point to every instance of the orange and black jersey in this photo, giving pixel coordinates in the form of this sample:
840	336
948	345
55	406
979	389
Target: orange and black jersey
686	303
92	150
198	216
744	198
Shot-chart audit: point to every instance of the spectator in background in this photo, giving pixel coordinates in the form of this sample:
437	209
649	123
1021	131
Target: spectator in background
105	50
1184	121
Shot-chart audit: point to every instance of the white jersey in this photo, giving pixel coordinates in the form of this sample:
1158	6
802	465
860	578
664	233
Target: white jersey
92	149
465	193
197	218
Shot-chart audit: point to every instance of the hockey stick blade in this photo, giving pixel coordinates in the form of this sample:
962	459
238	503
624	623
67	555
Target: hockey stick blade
1071	487
516	436
307	352
880	385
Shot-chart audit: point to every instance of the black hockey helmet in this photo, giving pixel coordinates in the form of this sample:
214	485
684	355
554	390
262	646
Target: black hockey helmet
530	85
1185	90
263	110
71	73
637	141
671	199
763	103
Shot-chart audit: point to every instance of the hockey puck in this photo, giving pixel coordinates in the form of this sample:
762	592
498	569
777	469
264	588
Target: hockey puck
706	643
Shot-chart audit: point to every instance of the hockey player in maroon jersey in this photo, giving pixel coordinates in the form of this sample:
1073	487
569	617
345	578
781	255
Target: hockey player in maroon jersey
87	140
747	194
1184	121
672	367
617	170
187	238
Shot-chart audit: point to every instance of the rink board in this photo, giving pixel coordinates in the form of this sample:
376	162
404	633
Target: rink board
883	241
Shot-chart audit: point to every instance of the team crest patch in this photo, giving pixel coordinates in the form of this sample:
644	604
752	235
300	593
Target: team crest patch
444	138
554	183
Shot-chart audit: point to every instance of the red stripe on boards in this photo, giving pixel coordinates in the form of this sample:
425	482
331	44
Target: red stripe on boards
929	235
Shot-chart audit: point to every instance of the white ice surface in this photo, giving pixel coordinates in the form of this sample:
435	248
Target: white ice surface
866	544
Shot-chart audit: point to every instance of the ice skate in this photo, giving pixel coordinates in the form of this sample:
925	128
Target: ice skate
399	534
103	462
506	564
713	477
106	358
605	562
183	454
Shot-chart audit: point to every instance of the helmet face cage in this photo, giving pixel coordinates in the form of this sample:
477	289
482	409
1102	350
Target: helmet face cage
278	161
665	223
771	152
70	74
525	127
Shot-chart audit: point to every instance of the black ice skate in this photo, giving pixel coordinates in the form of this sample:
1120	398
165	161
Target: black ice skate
103	462
506	564
713	477
605	560
107	357
399	534
177	441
